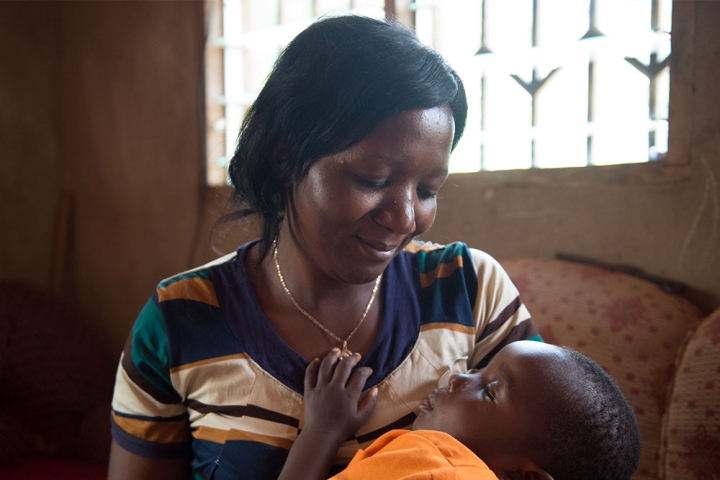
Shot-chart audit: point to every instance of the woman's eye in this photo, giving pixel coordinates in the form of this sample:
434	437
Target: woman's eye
374	184
426	194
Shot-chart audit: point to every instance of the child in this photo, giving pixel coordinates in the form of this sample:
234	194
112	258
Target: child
537	411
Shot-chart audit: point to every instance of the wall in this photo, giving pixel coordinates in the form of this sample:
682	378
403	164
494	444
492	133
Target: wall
101	99
132	147
29	140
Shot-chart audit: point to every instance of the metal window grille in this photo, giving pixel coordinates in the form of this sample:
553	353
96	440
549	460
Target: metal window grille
555	83
245	39
550	83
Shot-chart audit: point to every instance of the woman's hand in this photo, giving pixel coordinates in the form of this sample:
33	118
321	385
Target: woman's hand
334	409
333	403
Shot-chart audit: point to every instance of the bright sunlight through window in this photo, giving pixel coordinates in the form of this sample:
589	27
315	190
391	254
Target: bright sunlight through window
550	83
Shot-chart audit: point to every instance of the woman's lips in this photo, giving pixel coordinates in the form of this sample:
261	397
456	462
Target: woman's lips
379	251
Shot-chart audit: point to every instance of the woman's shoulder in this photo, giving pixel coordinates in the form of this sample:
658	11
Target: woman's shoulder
197	284
431	255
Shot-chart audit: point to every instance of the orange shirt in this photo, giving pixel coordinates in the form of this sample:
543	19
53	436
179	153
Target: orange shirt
417	455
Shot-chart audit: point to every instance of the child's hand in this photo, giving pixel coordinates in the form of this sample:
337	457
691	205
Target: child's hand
333	407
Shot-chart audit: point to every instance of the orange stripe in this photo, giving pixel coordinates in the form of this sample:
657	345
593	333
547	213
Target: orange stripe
196	288
240	356
448	326
164	432
414	247
222	436
217	435
443	270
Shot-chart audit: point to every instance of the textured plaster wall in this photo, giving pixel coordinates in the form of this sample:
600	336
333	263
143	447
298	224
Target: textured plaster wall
132	146
29	140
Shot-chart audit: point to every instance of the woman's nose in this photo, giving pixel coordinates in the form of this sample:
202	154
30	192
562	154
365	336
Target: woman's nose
398	212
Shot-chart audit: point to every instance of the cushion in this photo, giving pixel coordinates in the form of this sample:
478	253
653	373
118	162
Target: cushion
630	326
692	422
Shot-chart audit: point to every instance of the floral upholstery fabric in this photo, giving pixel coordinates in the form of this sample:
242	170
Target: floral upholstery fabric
692	424
628	325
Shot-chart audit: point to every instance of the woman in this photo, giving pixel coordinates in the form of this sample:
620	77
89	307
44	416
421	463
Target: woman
342	156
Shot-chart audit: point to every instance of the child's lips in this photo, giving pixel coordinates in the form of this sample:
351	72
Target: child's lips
426	405
429	403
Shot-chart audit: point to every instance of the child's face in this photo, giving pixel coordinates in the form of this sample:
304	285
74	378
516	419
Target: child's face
503	408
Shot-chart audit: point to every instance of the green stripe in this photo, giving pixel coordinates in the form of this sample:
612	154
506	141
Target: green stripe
150	348
429	261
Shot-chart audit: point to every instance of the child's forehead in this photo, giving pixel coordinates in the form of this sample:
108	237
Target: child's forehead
534	362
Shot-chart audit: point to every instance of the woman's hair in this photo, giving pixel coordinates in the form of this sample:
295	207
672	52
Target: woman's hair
595	435
331	86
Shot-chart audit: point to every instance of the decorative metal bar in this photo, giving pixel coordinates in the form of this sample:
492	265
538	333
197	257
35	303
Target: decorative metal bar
593	30
483	96
533	87
483	36
655	15
483	79
651	70
590	108
535	23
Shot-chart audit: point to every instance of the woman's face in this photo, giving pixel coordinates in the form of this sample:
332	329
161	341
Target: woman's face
355	210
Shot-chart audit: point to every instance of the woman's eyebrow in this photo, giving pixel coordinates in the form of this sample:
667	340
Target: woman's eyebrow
390	160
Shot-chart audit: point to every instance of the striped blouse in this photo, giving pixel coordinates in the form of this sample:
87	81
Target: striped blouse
204	375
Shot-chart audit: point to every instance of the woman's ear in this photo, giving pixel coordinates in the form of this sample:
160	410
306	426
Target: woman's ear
278	163
278	157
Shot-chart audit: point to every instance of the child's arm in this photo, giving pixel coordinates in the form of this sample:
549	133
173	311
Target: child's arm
333	412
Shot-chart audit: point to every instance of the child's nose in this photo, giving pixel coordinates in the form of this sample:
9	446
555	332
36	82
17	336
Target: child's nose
456	381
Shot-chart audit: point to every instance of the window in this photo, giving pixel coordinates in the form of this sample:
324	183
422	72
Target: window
553	83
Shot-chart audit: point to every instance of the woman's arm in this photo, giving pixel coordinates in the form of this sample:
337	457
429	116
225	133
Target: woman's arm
128	466
333	412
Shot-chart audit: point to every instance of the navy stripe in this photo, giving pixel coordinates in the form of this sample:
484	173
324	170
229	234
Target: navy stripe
205	453
148	449
247	459
196	331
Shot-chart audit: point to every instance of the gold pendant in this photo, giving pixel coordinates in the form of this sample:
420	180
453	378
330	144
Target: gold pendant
345	353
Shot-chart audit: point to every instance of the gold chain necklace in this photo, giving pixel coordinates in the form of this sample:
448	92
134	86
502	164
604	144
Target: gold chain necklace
344	352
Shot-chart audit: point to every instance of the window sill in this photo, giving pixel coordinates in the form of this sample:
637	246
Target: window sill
658	172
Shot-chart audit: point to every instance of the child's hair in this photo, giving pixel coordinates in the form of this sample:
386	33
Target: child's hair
596	436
